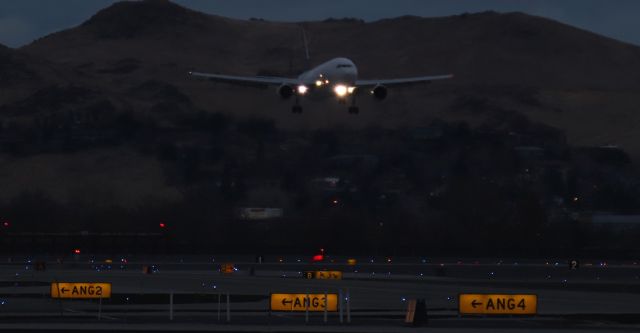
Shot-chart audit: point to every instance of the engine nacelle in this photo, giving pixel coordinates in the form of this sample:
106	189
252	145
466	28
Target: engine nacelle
379	92
285	91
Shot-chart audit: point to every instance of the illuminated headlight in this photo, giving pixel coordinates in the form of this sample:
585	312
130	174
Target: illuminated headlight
302	89
341	90
318	83
350	90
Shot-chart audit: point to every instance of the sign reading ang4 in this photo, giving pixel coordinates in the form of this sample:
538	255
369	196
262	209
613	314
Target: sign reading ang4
80	290
498	304
323	275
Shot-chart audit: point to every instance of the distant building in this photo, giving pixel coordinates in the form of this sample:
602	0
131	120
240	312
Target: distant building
427	133
395	182
530	152
618	222
609	154
255	213
351	161
327	183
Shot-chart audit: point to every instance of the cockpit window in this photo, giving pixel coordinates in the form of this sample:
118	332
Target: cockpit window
343	66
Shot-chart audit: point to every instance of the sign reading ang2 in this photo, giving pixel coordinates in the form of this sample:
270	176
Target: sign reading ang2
80	290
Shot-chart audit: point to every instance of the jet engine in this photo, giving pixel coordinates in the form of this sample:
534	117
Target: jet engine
379	92
285	91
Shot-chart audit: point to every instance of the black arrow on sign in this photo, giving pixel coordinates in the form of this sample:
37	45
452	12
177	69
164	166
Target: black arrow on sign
63	290
475	303
285	302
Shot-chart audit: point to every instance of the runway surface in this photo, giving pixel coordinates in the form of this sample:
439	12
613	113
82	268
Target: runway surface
597	296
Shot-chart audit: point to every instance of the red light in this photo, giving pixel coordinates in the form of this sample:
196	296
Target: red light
6	224
318	257
76	251
162	225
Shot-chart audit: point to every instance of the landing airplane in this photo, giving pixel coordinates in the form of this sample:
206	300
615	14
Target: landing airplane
338	77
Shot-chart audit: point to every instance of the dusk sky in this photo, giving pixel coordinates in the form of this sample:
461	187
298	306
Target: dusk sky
25	20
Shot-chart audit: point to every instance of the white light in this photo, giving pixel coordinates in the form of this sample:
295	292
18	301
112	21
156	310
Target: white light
350	90
302	89
318	83
340	90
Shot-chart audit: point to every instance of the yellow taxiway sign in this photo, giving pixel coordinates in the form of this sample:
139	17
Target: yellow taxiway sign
80	290
323	275
499	304
302	302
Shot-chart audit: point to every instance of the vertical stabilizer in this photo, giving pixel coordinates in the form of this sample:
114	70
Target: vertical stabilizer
305	42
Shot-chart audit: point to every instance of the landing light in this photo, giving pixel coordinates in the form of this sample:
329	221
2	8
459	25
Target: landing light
341	90
302	89
350	90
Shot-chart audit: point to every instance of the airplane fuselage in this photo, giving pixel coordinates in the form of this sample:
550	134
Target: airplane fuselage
337	76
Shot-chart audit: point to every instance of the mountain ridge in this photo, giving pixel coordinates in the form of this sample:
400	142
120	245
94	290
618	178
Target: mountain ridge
547	71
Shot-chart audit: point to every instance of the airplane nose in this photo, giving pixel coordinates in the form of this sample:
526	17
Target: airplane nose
349	71
349	74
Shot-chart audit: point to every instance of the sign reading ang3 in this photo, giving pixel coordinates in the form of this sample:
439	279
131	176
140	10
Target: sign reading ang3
304	302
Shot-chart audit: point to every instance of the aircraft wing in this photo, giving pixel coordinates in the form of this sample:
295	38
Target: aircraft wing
402	81
261	81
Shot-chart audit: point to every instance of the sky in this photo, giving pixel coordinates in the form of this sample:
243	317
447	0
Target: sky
22	21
